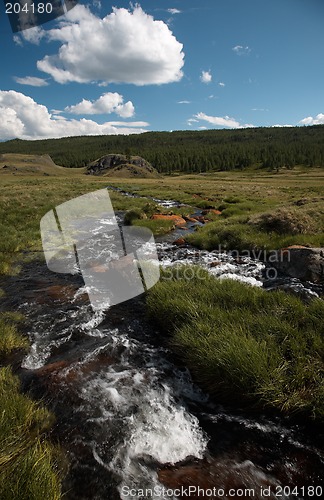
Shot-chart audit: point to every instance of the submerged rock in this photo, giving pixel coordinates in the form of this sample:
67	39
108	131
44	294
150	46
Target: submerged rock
191	219
177	219
180	242
211	211
216	478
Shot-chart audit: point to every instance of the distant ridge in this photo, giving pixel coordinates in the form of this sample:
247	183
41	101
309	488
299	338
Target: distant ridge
189	151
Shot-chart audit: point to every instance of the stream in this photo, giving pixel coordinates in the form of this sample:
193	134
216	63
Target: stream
129	418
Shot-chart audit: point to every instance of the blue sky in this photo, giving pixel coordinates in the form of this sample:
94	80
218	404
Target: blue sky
164	65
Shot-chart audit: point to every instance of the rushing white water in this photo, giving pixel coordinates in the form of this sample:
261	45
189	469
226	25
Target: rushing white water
43	335
159	428
221	265
141	397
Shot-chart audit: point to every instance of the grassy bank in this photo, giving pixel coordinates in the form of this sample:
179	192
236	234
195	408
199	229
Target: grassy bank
10	339
242	344
29	464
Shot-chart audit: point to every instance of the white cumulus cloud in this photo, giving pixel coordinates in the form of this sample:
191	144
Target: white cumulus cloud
174	11
111	102
310	120
221	84
24	118
220	121
126	46
206	77
32	81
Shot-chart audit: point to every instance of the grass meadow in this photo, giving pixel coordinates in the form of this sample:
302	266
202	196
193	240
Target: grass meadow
260	210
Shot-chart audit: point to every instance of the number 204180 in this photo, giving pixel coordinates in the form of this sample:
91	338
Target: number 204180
304	491
33	8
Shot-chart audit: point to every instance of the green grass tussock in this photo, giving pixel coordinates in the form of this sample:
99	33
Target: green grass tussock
10	338
242	344
284	221
132	215
157	226
28	463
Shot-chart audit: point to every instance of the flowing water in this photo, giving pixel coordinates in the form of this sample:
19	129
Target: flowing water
130	418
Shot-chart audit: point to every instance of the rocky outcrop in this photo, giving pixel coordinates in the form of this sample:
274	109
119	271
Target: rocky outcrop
301	262
122	166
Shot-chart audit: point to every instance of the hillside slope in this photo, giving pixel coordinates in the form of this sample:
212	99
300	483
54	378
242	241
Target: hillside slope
20	164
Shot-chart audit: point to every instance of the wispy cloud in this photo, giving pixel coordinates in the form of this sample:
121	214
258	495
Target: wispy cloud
33	81
206	77
221	121
191	121
174	11
221	84
240	50
310	120
259	109
184	102
17	40
278	125
225	121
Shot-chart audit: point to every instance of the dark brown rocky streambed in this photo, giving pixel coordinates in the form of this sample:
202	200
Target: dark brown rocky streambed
130	419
